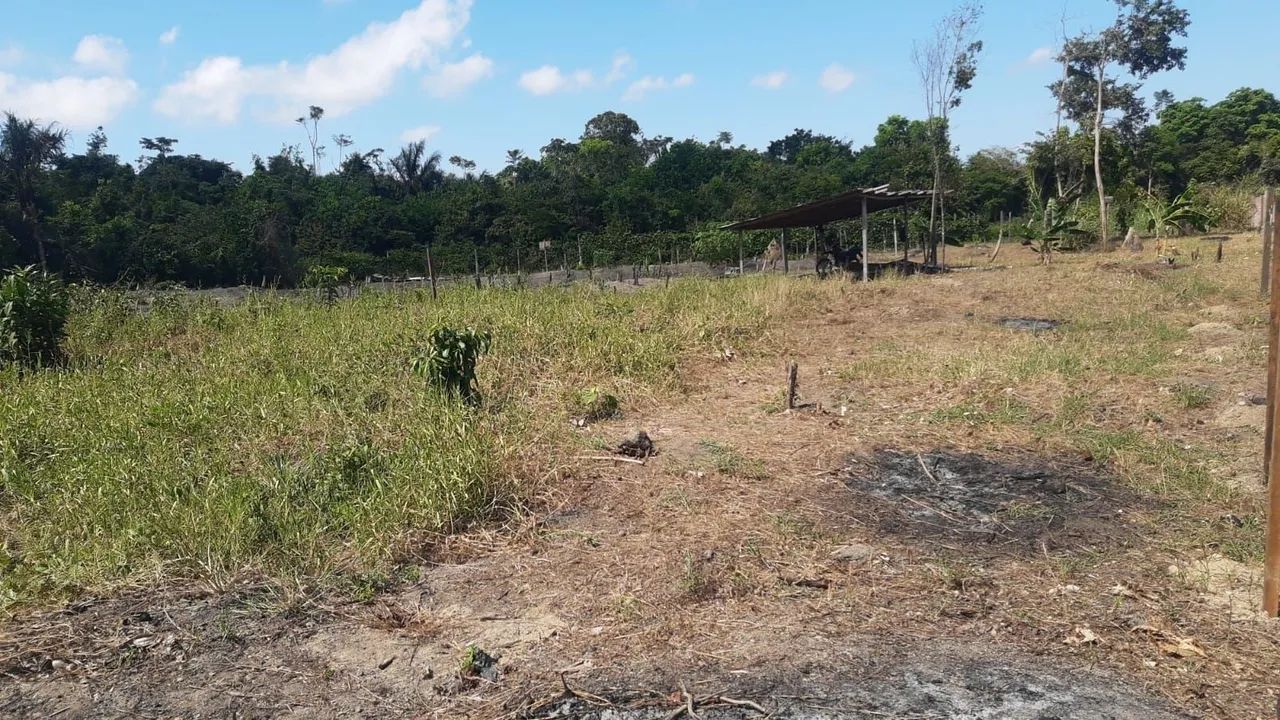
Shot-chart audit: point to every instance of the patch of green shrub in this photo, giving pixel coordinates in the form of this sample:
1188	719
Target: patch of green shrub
34	307
449	360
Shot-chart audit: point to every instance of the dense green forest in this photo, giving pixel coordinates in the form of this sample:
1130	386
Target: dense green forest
613	195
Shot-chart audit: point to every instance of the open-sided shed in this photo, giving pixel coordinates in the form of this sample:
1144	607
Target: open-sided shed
858	202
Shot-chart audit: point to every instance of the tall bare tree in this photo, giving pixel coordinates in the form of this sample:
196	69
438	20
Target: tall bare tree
1139	42
314	113
26	150
947	64
343	141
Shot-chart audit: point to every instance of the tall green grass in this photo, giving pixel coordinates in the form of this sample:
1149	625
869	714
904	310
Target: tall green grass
286	438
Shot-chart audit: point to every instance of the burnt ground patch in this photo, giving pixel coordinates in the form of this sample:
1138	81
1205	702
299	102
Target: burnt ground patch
903	678
1029	324
1012	502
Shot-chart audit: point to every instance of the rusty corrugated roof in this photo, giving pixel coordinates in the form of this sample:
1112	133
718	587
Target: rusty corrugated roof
846	205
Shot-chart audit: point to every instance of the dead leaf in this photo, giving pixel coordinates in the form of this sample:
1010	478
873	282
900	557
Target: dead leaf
1082	635
1119	590
1184	648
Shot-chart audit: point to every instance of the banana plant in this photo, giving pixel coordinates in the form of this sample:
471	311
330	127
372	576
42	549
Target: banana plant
1160	216
1048	229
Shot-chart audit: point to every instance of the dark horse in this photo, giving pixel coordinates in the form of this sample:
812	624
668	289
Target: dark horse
848	260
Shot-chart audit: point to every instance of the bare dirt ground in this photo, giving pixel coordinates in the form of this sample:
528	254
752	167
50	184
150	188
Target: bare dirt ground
893	549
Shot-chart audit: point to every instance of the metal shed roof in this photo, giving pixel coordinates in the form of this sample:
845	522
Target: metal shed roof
846	205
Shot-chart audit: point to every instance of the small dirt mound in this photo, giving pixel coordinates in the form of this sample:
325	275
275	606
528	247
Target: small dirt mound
1215	333
1029	324
1016	503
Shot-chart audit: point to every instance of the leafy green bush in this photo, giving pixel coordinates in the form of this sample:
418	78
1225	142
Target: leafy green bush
449	360
33	316
326	279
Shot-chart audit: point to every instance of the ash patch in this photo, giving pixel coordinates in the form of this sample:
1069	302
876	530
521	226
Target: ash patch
1019	503
1029	324
937	679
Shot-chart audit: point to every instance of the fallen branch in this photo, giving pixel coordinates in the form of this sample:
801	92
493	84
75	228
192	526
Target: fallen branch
614	458
724	700
925	468
581	694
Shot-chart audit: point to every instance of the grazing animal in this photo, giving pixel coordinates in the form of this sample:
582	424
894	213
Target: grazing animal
772	255
841	261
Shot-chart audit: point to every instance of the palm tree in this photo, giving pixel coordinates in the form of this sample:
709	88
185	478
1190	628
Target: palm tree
415	169
26	149
514	157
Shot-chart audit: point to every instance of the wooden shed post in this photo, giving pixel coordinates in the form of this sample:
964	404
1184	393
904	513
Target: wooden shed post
864	238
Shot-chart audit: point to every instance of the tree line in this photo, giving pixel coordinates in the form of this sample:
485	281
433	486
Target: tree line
616	195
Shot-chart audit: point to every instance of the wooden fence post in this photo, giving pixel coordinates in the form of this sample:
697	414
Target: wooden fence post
1271	563
864	238
431	272
792	373
1266	229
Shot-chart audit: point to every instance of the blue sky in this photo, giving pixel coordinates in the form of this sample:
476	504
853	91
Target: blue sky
477	78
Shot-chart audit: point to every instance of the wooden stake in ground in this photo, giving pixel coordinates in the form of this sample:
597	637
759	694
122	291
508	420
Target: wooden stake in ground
999	239
1271	565
1266	241
792	384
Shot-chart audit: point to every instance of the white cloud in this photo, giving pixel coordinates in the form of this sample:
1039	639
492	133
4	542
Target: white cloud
770	80
1039	56
76	101
102	53
623	64
170	36
356	73
424	132
550	79
72	101
11	55
647	84
452	78
836	78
